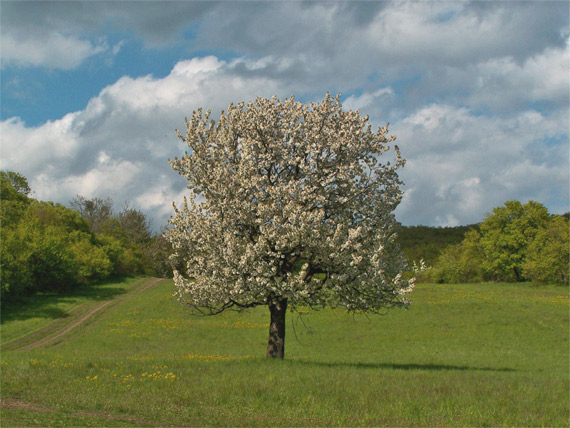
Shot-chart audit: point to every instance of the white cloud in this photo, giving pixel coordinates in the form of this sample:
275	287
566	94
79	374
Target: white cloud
28	148
546	76
53	50
326	43
461	165
368	100
119	145
429	68
102	180
155	22
504	84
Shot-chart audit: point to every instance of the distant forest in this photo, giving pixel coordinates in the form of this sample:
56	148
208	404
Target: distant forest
426	243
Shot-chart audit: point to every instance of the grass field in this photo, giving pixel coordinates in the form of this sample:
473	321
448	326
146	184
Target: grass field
462	355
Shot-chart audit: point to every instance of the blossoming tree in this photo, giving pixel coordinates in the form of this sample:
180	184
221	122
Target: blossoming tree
289	206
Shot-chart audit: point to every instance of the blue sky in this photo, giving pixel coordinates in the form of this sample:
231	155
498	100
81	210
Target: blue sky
476	92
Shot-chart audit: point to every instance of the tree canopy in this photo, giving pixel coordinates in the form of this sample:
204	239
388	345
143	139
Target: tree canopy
290	205
516	242
49	247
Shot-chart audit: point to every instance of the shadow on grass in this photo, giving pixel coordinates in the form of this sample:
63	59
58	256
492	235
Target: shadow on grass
411	366
45	305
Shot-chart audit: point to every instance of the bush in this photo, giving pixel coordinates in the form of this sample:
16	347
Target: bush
460	262
49	248
91	262
548	255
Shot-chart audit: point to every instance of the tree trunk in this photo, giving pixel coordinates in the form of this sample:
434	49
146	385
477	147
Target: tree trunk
517	275
276	345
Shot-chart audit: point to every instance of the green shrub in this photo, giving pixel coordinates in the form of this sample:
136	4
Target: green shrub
460	262
91	262
548	255
47	247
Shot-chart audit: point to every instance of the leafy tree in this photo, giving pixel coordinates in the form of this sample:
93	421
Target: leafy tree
50	248
135	226
13	205
91	262
297	211
459	263
548	255
16	181
73	258
13	200
125	237
16	278
48	213
505	236
97	212
158	253
44	246
135	234
516	243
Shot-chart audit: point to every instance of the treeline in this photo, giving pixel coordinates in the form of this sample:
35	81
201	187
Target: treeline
49	247
427	243
514	243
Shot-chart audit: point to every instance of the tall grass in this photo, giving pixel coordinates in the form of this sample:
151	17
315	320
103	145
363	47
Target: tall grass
477	355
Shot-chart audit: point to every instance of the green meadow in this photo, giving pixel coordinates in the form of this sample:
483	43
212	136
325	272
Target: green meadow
462	355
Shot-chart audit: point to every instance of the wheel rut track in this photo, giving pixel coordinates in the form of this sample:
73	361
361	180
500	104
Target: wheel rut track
59	333
11	403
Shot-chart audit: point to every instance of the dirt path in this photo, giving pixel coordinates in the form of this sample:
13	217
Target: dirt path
22	341
49	339
17	404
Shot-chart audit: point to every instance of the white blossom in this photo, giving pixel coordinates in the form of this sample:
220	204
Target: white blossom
288	201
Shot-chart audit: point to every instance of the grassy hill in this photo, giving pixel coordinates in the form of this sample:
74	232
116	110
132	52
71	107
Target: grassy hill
477	355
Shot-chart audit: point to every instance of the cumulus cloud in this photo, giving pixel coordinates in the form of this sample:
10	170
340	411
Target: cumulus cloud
339	37
545	76
328	42
501	85
463	164
455	33
369	100
118	146
24	147
52	50
477	92
62	35
156	22
460	164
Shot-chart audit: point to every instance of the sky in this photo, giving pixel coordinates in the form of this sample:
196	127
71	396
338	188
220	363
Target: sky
477	93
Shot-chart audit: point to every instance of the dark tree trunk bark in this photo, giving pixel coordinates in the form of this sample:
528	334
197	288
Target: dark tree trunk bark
276	345
517	275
